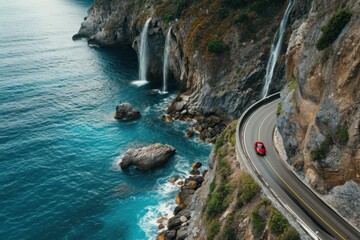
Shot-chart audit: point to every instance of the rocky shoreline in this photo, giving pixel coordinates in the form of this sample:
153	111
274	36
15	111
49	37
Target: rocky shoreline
208	126
177	227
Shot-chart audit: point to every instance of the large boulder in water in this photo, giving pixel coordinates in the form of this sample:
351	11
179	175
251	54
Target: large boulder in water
149	157
124	111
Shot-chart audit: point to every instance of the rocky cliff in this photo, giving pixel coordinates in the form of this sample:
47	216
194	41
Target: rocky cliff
218	51
320	116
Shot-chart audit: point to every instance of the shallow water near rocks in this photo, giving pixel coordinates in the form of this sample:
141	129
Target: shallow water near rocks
59	143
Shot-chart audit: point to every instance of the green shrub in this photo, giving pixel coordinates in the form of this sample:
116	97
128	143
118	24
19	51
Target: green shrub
224	188
235	3
223	13
181	5
318	154
342	135
219	142
257	222
249	188
168	18
332	28
242	18
260	6
212	185
215	205
216	46
277	222
233	139
213	229
289	234
229	230
265	202
226	134
292	84
225	169
321	152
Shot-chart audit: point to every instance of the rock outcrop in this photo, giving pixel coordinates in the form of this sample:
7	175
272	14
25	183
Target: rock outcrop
206	87
124	111
149	157
320	116
345	199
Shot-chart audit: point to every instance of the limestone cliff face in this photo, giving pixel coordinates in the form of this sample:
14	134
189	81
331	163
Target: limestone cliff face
224	82
320	116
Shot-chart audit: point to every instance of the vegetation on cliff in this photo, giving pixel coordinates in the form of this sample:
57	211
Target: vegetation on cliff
332	28
234	208
210	29
319	121
222	15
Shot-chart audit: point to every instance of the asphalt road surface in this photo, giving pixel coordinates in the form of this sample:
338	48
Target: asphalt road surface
321	219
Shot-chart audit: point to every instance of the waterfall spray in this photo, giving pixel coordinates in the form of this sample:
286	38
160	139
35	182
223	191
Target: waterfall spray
166	60
276	48
143	51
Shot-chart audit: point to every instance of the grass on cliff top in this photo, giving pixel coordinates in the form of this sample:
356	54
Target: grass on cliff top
333	27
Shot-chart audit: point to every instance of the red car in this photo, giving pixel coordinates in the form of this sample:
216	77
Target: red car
260	148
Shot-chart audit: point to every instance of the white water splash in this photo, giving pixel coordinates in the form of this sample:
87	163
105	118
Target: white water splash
139	83
276	49
143	51
166	61
149	223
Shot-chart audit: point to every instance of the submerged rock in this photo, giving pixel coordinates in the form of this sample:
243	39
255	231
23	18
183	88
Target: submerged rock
168	119
161	226
172	179
124	111
189	133
196	165
194	171
149	157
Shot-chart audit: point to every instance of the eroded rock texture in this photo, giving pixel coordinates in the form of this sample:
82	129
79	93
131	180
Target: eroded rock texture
320	114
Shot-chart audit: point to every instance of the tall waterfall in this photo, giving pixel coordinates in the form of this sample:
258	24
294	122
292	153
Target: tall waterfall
143	52
166	60
276	48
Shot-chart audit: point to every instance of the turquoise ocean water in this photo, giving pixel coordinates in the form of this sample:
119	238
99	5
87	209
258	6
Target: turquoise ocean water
59	143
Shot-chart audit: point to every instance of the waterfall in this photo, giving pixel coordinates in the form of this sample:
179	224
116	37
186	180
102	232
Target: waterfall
143	52
166	61
276	48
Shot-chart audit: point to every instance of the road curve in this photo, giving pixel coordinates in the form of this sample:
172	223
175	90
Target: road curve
282	183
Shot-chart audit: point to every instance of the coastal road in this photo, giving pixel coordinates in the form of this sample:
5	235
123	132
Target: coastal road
283	184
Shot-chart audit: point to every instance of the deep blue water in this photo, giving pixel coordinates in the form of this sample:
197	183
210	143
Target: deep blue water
59	143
